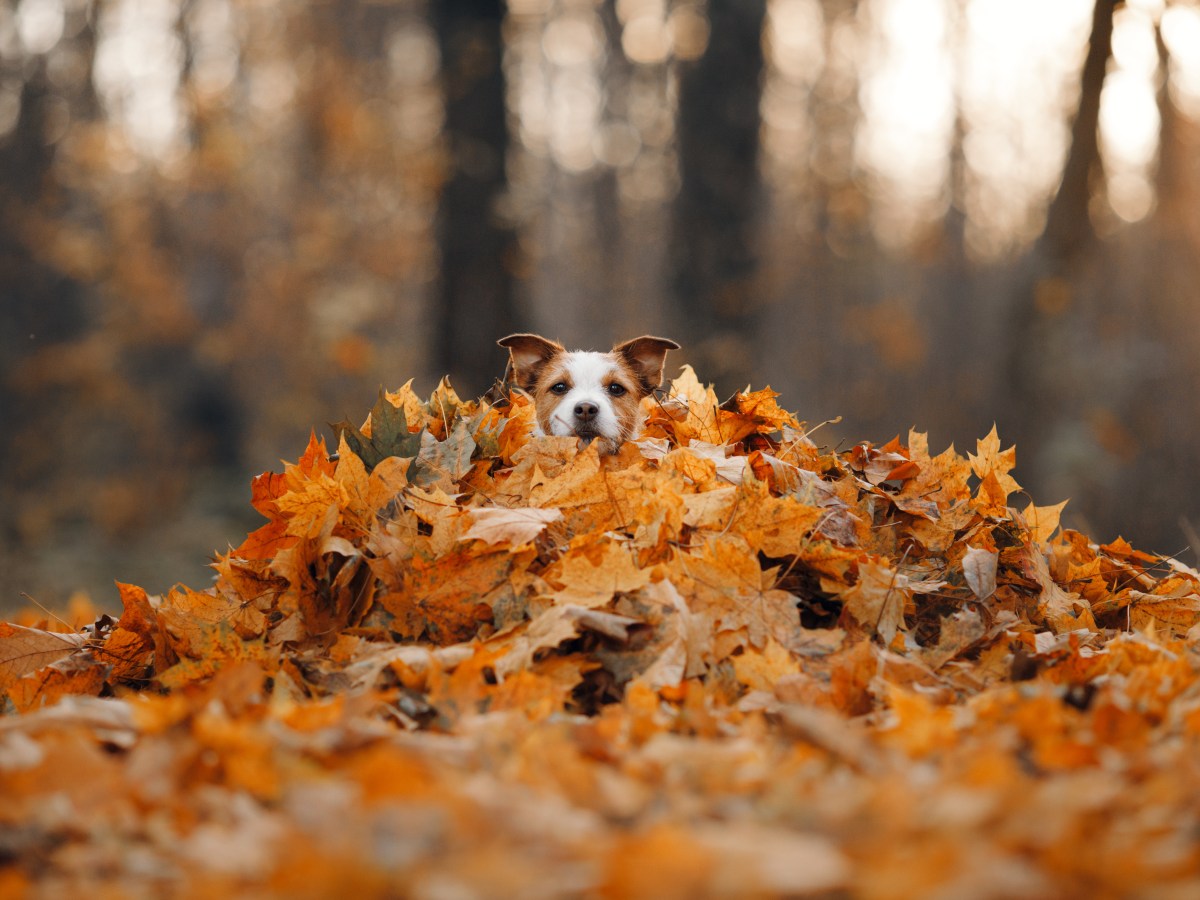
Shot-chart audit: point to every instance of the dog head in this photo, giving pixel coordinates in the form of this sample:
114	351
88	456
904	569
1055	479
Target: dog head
594	395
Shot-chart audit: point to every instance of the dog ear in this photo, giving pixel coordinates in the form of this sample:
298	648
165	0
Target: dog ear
646	355
527	353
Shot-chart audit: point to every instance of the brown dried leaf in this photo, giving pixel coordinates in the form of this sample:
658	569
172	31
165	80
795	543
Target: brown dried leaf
511	526
24	650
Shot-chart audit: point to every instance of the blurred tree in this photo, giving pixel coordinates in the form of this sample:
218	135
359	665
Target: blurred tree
715	255
41	306
244	217
1047	409
1068	226
477	246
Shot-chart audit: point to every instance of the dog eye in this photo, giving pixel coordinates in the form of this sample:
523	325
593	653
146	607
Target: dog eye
616	389
559	388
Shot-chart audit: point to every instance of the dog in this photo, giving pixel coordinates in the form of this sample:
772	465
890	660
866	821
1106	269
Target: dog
593	395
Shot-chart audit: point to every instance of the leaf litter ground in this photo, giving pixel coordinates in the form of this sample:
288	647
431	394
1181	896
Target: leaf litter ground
461	661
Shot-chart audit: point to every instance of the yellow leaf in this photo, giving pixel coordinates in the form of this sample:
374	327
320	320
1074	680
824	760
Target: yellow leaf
1043	520
759	670
592	572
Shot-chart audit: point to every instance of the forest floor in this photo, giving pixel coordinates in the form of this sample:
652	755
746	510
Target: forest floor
458	660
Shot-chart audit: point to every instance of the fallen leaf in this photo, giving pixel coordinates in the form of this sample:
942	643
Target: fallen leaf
512	526
877	599
979	569
24	650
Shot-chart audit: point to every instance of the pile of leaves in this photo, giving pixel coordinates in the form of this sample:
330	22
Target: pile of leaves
460	660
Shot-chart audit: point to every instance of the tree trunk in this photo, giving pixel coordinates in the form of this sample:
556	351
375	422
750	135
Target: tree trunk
476	302
1048	379
715	252
1068	226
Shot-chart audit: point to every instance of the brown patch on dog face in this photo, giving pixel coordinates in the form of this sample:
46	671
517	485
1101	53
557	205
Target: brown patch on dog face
545	401
626	405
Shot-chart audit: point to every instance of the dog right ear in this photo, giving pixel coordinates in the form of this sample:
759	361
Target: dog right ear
527	354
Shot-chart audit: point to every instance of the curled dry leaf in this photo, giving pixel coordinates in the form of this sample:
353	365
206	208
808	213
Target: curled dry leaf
509	526
979	569
25	650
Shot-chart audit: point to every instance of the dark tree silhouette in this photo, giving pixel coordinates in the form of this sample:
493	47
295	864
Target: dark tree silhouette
714	252
39	306
1068	226
1047	380
476	246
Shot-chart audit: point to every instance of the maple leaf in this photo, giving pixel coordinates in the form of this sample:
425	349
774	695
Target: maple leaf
1175	606
139	640
592	572
729	468
711	509
691	410
877	599
727	585
777	526
991	466
750	413
686	641
406	399
447	461
888	463
212	649
1043	520
184	611
958	633
939	490
1062	610
385	434
449	598
762	669
266	541
71	676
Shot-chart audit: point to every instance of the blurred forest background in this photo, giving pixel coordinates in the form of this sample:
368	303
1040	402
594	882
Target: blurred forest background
227	221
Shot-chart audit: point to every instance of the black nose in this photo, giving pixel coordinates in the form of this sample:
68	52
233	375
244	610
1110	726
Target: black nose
586	411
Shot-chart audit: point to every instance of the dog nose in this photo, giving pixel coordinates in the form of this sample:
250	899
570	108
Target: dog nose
586	411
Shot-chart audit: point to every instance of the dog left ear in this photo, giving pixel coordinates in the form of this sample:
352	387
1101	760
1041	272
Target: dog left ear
645	356
527	354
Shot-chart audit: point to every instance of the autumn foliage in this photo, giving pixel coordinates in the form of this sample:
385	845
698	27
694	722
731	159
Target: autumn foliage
459	660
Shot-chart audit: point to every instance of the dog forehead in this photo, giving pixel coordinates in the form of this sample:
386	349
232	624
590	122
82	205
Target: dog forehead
590	369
